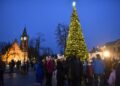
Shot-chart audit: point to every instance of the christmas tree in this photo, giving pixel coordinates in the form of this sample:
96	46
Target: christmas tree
75	45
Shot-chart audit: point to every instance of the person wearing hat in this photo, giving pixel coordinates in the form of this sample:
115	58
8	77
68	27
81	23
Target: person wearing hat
2	68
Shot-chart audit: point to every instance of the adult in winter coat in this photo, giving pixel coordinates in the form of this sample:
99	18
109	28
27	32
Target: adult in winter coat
112	77
49	69
117	81
12	65
99	68
2	68
89	74
60	73
75	71
39	73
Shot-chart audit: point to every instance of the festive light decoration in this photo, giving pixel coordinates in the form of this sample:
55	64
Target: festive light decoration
75	45
106	54
74	3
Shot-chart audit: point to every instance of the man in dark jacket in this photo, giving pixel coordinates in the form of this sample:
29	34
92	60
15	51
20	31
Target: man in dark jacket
60	73
2	67
75	71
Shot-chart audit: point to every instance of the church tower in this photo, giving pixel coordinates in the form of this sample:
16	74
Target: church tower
24	43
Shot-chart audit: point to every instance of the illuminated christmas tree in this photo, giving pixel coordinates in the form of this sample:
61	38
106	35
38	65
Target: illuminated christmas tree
75	45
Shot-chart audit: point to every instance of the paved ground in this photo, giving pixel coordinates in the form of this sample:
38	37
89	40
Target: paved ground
17	79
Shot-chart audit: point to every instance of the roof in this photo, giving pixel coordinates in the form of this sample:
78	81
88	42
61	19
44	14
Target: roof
112	43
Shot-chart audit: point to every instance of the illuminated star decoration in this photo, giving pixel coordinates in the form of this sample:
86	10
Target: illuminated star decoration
74	4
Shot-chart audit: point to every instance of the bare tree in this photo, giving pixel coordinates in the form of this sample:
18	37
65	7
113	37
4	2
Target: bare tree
39	40
31	50
5	47
34	46
46	51
61	36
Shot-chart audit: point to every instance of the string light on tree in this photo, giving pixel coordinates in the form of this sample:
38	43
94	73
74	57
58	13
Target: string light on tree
75	44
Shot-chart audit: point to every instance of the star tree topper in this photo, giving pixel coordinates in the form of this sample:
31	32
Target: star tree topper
74	4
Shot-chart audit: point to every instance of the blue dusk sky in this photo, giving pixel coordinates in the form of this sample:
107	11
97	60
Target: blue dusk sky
100	19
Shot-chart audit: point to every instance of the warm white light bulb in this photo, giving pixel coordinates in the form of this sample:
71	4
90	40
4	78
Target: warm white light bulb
106	53
74	3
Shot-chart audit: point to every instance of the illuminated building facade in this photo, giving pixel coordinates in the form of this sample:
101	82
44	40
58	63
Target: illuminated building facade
18	52
108	50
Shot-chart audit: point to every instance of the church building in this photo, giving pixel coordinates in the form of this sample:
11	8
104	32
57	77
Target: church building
18	52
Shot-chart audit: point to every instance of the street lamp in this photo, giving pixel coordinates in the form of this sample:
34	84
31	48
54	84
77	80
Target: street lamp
106	54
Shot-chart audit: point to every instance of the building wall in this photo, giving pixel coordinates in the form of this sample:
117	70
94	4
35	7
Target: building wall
112	48
15	53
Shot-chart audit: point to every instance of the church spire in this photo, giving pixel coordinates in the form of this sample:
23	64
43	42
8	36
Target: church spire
24	32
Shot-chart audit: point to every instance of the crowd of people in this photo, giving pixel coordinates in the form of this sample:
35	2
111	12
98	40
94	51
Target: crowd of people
12	67
22	67
75	72
71	71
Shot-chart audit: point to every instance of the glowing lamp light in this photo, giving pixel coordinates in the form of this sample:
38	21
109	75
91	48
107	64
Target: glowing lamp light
74	4
106	54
